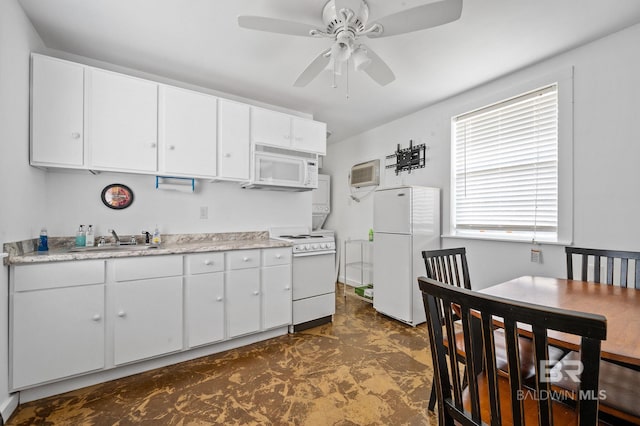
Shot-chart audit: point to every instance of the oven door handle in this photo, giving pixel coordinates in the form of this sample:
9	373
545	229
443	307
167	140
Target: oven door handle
314	253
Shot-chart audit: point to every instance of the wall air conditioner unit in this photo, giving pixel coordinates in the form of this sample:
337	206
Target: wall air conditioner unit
365	174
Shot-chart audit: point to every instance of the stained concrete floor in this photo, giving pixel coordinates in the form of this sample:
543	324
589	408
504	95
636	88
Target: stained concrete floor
363	369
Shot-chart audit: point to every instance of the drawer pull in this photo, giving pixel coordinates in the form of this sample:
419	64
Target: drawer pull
245	259
278	256
96	317
287	288
219	298
208	262
122	314
255	293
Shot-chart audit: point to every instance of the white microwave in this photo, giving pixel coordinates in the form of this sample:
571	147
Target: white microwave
283	169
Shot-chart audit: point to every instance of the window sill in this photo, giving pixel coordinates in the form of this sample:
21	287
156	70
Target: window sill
507	239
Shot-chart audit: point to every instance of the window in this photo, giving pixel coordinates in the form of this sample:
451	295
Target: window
505	168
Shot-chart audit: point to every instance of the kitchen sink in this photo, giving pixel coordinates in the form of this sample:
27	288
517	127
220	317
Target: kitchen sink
110	248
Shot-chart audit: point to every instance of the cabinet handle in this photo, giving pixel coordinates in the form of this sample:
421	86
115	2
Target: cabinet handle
219	298
208	262
278	256
96	317
245	259
255	293
172	147
153	145
227	155
287	288
75	135
122	314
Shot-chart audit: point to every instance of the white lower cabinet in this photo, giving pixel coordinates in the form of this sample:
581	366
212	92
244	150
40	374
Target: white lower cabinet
73	318
204	305
148	318
243	301
56	333
276	296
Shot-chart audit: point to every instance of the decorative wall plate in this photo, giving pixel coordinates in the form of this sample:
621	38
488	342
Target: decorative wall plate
117	196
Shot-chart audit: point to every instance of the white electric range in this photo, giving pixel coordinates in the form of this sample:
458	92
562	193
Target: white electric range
313	280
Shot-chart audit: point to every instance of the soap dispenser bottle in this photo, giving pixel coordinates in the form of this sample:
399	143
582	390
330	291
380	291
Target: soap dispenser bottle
80	237
90	239
156	236
43	242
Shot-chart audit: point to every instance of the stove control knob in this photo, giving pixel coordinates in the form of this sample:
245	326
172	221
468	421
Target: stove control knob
315	246
307	247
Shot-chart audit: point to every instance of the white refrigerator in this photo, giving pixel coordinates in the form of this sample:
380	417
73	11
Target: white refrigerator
406	221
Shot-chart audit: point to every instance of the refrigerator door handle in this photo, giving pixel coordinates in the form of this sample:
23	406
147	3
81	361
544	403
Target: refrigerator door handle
402	194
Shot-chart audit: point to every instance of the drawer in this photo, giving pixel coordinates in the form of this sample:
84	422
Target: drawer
276	256
205	262
243	259
59	274
139	268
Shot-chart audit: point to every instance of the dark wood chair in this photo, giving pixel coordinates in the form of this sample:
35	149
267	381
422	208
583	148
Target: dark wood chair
620	383
450	266
490	397
607	263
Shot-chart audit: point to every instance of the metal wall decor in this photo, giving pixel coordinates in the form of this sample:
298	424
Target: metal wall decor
407	159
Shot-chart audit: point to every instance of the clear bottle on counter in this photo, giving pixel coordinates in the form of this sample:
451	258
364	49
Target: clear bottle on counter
81	237
43	242
156	240
90	238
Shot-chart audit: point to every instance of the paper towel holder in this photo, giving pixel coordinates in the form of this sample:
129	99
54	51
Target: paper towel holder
172	183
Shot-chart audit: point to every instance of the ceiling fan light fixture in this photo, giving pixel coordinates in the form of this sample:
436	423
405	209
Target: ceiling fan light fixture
341	49
360	59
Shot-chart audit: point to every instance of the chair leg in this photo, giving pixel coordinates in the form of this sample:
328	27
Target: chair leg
432	398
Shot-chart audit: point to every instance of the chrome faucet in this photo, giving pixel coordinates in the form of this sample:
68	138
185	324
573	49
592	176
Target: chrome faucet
115	237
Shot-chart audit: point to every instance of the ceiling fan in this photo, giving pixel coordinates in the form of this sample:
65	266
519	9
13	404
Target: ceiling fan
345	21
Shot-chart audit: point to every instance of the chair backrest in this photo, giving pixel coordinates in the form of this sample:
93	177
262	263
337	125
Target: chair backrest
479	311
448	266
616	269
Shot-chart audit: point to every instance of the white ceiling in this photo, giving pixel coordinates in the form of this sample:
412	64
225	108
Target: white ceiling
199	42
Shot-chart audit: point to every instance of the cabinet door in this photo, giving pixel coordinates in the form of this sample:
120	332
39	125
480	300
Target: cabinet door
147	318
243	301
187	132
270	127
57	132
233	140
205	308
276	296
122	122
309	135
56	333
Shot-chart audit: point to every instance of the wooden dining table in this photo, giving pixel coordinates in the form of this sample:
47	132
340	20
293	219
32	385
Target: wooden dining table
621	307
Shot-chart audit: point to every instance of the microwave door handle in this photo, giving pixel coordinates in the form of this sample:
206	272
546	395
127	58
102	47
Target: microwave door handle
306	173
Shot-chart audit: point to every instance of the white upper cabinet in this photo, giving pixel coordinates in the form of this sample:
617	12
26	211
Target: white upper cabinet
309	135
234	142
122	122
188	127
57	132
286	131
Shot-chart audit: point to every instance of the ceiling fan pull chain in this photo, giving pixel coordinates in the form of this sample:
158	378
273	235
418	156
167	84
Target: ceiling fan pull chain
347	79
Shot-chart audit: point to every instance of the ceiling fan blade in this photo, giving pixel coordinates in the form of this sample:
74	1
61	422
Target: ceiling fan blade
378	70
274	25
419	18
315	67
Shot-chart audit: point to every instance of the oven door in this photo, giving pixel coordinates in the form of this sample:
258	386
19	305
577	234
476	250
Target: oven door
279	170
313	274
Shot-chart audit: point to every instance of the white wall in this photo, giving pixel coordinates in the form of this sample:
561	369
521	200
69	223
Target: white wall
73	198
22	192
606	201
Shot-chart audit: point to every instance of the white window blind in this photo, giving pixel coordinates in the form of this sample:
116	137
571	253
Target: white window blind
505	166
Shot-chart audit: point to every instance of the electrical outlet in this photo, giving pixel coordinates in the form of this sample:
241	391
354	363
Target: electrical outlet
536	256
204	212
